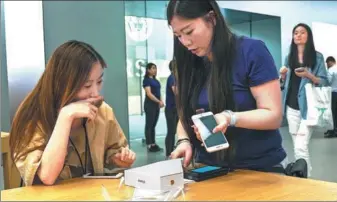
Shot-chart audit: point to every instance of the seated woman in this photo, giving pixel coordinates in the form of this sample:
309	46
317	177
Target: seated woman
63	129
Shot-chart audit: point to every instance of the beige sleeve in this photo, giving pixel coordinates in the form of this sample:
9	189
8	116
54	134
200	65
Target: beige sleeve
29	163
115	137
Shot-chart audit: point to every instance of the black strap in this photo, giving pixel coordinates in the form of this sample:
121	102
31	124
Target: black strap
84	167
87	147
182	140
79	157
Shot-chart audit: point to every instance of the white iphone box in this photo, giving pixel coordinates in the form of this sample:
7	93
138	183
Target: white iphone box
159	176
205	122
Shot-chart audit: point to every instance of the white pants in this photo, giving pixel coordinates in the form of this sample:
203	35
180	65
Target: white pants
300	134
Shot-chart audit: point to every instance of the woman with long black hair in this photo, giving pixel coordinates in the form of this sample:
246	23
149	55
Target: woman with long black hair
235	78
152	105
303	65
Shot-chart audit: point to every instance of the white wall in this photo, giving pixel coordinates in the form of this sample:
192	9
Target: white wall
24	48
291	13
325	37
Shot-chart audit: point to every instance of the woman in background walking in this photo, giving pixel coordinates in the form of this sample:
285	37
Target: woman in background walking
303	65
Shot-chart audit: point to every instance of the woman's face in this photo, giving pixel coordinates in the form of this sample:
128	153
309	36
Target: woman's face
92	87
195	34
300	36
153	70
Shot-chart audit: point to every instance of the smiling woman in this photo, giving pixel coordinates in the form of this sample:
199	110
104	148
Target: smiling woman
63	129
235	78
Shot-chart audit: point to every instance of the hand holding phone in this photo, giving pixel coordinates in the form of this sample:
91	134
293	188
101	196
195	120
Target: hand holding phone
302	72
205	124
300	69
222	119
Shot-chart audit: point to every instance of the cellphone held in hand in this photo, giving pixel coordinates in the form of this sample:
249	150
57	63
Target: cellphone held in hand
300	69
205	122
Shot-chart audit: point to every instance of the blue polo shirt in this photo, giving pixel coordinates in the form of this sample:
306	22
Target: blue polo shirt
154	84
256	149
170	99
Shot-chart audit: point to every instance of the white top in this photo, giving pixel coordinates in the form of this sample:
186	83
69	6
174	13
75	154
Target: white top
332	77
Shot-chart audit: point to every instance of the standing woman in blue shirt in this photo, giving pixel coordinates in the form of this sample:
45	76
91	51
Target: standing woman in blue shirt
170	111
302	55
235	78
152	105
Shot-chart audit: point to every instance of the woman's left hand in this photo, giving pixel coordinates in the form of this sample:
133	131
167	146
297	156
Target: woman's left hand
223	120
125	158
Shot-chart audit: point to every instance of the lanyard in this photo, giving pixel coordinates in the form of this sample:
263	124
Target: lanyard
84	167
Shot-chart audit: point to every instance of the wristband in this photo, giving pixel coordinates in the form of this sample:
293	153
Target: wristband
182	140
232	117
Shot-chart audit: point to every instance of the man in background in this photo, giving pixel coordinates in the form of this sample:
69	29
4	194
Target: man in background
332	76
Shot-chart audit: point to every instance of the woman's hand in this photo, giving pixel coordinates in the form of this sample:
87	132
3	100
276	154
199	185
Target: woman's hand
82	109
305	73
184	149
161	104
283	72
125	158
223	120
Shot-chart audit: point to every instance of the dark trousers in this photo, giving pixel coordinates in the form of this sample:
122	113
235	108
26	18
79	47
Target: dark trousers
171	122
151	118
334	109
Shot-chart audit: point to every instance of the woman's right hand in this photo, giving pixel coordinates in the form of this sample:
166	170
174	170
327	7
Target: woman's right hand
184	149
283	72
82	109
161	104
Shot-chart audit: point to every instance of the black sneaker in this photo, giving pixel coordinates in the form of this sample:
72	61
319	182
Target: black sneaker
327	133
154	148
157	147
331	134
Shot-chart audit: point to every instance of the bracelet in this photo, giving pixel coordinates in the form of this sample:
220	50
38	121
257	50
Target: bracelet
183	140
232	117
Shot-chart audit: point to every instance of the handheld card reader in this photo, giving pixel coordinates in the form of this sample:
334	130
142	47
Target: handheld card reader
204	173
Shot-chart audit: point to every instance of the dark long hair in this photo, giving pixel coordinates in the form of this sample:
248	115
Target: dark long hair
191	74
149	66
309	56
172	65
65	74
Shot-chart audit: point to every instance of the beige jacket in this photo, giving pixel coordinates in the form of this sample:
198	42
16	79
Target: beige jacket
105	136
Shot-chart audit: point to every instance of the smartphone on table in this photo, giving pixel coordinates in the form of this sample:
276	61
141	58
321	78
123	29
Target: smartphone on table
205	122
204	173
